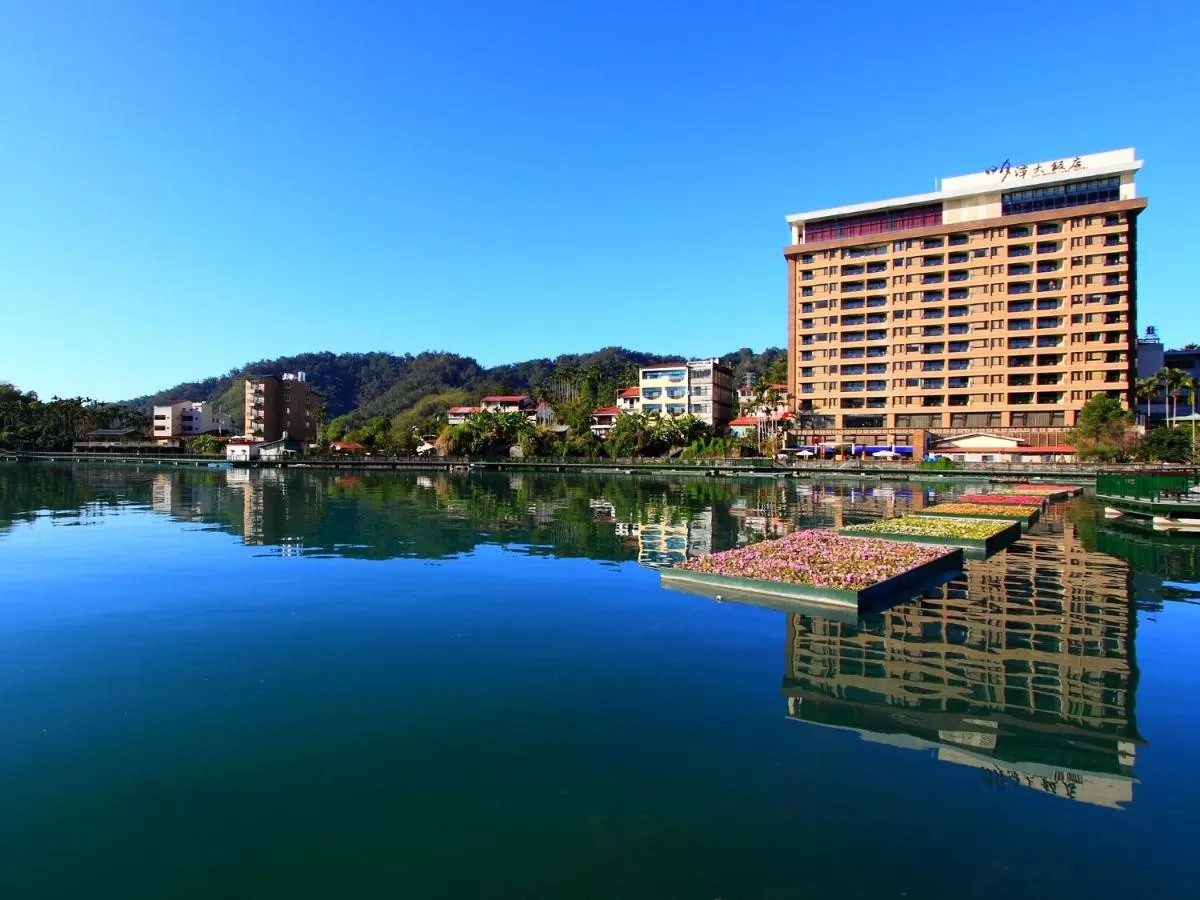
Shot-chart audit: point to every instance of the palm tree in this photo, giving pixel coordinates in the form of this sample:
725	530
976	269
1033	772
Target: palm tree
786	426
1191	385
1146	389
1173	378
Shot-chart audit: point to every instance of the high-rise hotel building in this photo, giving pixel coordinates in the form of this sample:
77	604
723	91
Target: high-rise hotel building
1000	303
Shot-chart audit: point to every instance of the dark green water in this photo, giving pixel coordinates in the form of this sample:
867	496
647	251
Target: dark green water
220	684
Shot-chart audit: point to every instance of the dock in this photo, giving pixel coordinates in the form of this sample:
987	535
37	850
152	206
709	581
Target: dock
1170	498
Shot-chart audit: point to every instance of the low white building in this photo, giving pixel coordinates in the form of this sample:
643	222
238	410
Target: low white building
457	415
508	403
241	450
982	447
244	449
285	448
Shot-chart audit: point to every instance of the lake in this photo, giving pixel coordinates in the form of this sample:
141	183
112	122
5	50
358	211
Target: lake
260	684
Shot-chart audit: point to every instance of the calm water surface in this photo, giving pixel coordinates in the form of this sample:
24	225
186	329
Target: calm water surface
256	685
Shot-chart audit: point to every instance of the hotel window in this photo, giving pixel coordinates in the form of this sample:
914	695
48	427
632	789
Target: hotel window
874	223
1059	196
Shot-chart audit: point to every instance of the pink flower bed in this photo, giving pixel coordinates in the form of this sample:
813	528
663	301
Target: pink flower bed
1046	488
1009	499
820	559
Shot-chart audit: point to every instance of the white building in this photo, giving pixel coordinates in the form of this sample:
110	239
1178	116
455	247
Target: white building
242	449
182	419
507	403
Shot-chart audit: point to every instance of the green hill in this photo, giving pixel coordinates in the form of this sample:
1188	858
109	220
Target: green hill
364	386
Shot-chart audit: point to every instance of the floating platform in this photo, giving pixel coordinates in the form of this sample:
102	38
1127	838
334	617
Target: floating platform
1001	498
1049	491
929	567
1169	498
1026	515
1003	533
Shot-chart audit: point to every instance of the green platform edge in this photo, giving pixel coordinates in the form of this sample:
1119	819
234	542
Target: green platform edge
951	561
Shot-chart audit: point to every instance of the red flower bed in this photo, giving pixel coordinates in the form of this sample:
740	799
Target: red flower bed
1046	488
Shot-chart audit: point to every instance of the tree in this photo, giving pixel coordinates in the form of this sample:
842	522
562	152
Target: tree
1102	431
1147	389
632	434
1165	445
1173	378
485	433
786	426
1191	385
203	445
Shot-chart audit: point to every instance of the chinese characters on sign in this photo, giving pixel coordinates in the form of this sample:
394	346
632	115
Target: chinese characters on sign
1037	171
1070	781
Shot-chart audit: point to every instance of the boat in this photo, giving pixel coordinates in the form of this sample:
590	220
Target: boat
1168	497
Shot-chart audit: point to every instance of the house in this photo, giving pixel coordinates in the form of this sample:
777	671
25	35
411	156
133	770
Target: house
745	426
507	403
629	399
118	440
347	448
603	419
457	415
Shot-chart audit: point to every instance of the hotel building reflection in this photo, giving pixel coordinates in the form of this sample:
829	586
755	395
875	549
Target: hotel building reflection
1024	669
674	537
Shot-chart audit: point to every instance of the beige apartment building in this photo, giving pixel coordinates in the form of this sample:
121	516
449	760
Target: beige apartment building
180	419
699	387
999	303
279	406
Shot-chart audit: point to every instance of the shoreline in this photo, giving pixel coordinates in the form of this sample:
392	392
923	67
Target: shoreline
728	468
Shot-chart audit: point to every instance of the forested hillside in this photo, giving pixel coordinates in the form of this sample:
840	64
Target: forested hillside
358	387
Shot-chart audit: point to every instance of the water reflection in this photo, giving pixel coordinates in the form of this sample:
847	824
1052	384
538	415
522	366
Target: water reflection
1024	669
652	519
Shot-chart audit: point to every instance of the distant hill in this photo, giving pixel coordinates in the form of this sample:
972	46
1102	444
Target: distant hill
361	386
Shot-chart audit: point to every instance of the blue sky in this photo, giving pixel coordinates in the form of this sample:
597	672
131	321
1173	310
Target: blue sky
188	186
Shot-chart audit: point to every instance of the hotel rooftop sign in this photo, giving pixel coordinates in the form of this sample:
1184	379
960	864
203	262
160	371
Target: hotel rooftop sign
1038	170
997	178
1003	175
